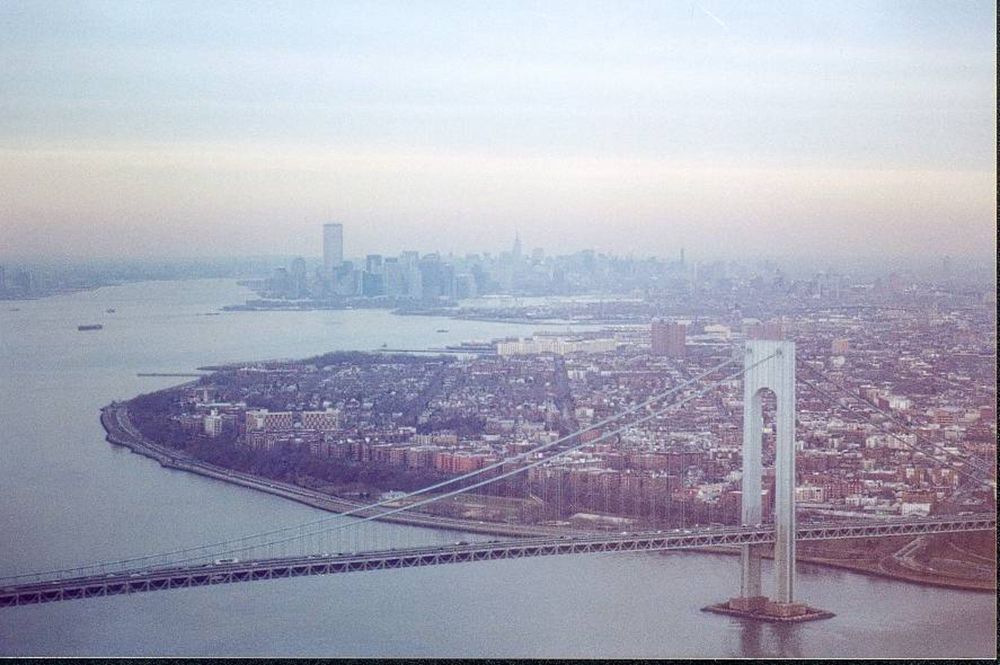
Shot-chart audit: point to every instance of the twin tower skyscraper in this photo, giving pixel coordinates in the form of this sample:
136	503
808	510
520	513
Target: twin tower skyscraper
333	249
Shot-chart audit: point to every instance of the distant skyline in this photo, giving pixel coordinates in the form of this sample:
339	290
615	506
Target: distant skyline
731	129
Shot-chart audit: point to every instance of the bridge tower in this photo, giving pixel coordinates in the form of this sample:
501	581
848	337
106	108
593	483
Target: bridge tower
770	365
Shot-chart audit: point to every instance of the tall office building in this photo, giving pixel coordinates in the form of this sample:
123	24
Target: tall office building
298	274
432	277
373	264
333	248
394	277
669	338
410	261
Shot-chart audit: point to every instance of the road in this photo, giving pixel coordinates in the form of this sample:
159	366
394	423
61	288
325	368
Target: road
132	580
121	431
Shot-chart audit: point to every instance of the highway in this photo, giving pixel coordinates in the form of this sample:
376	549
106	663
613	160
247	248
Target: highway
121	431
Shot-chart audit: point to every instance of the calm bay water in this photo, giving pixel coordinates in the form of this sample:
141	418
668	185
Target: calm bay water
68	497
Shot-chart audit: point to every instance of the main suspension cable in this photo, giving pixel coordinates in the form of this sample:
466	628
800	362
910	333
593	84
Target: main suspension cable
132	561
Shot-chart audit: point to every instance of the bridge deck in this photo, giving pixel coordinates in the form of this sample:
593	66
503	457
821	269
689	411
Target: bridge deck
132	581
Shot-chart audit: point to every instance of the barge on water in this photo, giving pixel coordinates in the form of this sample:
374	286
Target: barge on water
90	326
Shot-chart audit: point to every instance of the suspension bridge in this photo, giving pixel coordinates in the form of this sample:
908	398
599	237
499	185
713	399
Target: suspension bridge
348	542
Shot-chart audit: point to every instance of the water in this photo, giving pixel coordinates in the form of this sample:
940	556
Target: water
68	497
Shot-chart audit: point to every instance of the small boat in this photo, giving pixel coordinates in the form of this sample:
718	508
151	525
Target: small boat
442	330
90	326
110	310
385	345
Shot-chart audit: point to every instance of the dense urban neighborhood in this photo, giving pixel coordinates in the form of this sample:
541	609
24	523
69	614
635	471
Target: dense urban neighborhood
896	416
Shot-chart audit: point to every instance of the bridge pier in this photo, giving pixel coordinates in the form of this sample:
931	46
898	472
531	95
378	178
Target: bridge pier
750	556
769	366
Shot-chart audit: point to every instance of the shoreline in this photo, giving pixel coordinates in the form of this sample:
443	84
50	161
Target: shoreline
117	434
900	575
58	292
442	315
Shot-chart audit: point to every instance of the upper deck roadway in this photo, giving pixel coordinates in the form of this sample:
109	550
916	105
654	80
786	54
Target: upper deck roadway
136	581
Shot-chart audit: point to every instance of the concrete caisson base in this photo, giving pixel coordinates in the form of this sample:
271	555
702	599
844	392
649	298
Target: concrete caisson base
761	608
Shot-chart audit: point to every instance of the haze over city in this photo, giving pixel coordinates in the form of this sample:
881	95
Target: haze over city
597	330
792	128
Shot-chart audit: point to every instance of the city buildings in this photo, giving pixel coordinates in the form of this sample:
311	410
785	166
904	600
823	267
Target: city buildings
669	338
921	352
631	289
333	250
933	373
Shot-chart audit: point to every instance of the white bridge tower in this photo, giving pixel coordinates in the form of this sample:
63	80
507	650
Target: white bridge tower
770	365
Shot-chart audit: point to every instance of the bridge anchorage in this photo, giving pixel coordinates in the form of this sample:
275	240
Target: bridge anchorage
769	365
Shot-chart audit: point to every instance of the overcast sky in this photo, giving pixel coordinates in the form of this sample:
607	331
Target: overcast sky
729	128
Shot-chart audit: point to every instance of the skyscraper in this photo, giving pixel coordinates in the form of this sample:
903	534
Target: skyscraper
333	248
394	277
669	338
298	273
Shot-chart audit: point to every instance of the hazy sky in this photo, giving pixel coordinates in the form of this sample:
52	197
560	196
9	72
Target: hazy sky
214	128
